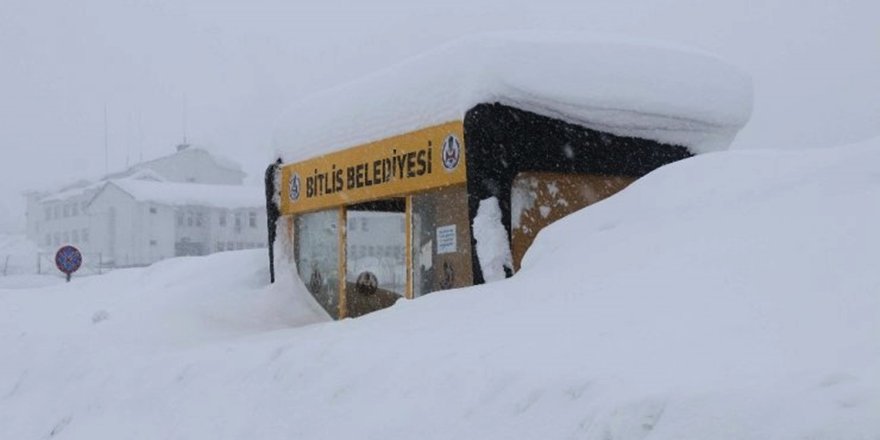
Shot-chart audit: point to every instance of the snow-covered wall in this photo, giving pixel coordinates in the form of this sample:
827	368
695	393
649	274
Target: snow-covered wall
624	87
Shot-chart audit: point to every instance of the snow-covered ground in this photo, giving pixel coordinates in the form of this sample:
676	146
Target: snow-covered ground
732	295
17	254
23	264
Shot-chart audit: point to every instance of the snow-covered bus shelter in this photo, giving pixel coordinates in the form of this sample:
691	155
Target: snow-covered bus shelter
440	172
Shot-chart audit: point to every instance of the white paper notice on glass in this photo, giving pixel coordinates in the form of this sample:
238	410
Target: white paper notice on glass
446	239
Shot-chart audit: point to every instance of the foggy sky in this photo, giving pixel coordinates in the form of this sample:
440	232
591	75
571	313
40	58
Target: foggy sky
231	67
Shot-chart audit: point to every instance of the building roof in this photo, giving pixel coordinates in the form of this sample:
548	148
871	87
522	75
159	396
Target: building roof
85	187
191	194
624	87
139	171
184	149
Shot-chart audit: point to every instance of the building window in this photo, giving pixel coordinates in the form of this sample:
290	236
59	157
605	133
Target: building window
74	210
238	221
48	213
85	235
189	219
364	224
74	236
252	219
220	246
179	219
66	237
152	242
222	219
83	207
152	209
66	211
57	212
57	239
229	246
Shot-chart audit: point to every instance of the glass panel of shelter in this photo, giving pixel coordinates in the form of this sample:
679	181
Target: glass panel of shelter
316	248
375	257
441	242
375	260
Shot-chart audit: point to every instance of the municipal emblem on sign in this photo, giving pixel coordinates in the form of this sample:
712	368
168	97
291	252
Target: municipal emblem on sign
294	187
68	259
451	153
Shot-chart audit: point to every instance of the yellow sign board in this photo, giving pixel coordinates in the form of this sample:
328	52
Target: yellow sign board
424	159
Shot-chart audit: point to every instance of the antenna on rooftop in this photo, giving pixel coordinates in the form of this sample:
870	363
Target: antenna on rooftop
106	144
128	140
140	136
184	119
184	145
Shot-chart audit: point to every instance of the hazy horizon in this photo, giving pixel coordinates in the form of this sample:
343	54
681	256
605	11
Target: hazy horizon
231	69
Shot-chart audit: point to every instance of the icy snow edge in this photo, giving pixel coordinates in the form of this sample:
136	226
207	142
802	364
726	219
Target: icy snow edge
626	87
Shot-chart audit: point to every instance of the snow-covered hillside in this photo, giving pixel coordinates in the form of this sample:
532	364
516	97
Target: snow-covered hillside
732	295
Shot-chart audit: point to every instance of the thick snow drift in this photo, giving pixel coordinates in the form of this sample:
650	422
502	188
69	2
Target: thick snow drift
493	246
625	87
18	255
744	307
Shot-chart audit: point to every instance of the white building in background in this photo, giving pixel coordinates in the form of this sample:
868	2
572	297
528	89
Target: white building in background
191	202
142	221
189	165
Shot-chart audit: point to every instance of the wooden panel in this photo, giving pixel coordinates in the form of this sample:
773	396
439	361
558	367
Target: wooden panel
538	199
358	304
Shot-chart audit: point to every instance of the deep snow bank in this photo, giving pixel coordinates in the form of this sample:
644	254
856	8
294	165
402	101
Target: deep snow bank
18	261
622	86
177	302
742	307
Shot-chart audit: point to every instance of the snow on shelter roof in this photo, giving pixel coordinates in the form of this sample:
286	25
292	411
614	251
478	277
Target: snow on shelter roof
625	87
193	194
